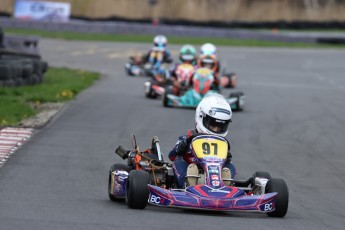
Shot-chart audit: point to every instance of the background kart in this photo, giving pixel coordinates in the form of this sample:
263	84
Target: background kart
159	82
136	67
163	80
202	85
151	181
146	64
228	79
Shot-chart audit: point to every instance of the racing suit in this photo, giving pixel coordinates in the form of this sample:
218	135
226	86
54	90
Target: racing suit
181	155
157	60
216	71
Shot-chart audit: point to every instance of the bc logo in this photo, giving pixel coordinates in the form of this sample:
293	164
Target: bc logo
155	199
268	207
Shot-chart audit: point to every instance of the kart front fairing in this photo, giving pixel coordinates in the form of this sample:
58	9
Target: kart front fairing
190	99
203	197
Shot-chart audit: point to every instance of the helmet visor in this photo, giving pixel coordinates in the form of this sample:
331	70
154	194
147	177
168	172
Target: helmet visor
215	125
187	57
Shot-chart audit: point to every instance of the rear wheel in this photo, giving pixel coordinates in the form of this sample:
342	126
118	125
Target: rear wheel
230	80
137	190
239	104
113	168
279	186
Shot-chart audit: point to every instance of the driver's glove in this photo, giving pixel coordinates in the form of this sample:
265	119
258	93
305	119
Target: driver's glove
229	157
182	146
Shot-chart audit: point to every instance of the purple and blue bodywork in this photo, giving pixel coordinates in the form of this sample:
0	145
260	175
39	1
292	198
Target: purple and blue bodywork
226	198
120	178
213	194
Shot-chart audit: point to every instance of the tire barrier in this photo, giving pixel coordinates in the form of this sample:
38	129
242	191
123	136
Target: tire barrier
19	71
20	62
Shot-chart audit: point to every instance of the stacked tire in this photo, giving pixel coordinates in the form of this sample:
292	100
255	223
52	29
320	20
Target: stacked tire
21	70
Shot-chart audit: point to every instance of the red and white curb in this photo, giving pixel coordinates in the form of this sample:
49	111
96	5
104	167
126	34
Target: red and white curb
11	139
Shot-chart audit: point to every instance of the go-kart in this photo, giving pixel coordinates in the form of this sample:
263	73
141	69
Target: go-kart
202	85
137	66
162	80
156	86
228	79
184	73
145	65
149	179
129	181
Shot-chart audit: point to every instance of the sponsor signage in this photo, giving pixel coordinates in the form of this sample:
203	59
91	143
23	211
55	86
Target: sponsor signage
42	10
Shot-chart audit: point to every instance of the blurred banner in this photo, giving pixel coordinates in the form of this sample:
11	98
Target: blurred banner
41	10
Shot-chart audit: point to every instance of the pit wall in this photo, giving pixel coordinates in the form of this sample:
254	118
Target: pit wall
205	10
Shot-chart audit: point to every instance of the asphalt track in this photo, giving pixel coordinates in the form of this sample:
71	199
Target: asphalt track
293	126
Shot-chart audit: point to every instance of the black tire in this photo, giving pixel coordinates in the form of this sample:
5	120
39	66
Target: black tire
282	202
229	76
167	91
35	79
9	83
27	69
238	95
263	174
45	66
19	81
112	169
6	72
151	93
137	190
37	66
1	38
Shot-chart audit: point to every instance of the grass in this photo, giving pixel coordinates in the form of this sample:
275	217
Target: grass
59	85
172	39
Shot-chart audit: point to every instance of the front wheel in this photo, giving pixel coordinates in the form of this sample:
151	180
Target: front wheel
279	186
137	190
165	99
229	80
149	92
263	174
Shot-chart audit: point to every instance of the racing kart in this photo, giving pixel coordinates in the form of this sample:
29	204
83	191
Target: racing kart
228	79
148	179
202	85
157	86
137	66
142	65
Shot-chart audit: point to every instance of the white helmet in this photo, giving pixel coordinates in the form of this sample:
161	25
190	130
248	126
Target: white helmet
213	115
160	42
208	49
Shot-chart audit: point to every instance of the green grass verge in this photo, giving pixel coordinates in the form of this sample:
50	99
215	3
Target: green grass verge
172	39
59	85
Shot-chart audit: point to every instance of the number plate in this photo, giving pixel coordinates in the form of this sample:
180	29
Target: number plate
210	147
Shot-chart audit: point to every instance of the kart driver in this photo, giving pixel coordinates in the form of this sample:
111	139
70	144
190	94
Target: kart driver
159	53
187	56
209	49
205	123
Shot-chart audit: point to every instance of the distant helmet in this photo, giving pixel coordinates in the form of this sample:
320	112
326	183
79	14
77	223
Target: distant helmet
160	42
208	49
208	61
213	115
187	54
